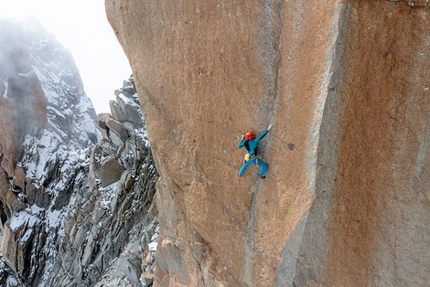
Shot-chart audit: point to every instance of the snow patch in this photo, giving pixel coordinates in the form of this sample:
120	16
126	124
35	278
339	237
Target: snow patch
152	246
26	74
129	101
6	85
21	219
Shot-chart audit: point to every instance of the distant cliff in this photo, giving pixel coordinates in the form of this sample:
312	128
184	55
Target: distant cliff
346	84
75	203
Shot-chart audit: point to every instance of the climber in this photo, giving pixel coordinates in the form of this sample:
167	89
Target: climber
250	142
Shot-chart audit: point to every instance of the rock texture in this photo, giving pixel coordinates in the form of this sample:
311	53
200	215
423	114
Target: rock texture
345	84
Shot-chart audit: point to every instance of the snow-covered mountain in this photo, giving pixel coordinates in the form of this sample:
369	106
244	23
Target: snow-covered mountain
72	198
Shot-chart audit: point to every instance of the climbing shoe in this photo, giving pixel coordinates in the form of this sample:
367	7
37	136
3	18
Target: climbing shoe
262	176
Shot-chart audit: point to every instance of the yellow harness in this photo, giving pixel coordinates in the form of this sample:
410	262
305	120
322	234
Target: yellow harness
249	157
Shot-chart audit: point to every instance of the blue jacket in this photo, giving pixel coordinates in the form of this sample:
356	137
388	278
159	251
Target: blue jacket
253	143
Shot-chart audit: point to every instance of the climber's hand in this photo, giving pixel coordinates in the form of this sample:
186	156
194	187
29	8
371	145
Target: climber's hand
270	127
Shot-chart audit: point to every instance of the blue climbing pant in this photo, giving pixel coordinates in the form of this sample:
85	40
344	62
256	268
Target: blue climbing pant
263	166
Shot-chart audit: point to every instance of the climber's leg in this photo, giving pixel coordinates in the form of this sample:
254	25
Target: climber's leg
263	167
244	167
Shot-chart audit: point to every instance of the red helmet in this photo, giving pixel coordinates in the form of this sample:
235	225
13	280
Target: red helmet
249	136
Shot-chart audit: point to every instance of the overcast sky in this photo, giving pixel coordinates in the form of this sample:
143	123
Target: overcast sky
82	27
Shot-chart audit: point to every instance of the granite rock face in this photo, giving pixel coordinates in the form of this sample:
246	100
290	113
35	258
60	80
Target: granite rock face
345	83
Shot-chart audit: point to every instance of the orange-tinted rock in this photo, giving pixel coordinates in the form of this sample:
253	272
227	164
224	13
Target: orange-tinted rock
8	197
344	82
22	100
16	255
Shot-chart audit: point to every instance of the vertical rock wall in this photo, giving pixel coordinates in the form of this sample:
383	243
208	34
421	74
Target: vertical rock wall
379	209
345	84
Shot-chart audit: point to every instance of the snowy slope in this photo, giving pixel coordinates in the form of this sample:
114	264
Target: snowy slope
70	111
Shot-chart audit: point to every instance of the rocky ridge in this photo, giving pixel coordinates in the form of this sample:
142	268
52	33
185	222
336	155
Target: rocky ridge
114	223
43	150
76	204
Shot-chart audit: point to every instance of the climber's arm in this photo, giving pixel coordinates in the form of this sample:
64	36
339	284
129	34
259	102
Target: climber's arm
242	142
262	135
